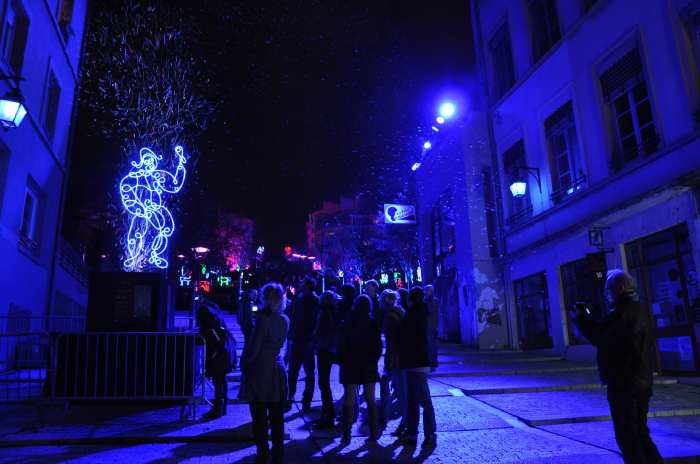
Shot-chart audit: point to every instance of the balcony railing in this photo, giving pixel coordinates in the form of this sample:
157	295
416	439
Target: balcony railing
577	185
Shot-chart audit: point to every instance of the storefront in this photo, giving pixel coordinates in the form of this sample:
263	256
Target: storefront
667	278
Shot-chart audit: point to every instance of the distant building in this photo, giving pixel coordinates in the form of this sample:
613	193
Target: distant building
595	110
457	228
40	274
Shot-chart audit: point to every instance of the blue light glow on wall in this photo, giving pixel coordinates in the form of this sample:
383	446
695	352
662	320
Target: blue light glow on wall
151	223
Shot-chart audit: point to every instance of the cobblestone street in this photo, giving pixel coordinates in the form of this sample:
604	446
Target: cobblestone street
503	407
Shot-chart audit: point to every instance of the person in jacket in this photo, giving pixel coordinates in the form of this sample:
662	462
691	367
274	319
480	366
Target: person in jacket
325	339
303	314
264	379
415	361
624	341
392	376
360	349
218	362
431	305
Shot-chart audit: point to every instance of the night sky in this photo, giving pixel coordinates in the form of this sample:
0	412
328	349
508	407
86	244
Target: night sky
313	100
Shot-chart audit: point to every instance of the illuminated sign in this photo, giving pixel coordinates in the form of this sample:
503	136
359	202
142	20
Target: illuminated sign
399	214
224	281
384	278
151	223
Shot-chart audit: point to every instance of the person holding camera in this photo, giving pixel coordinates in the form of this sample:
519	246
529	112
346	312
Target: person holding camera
624	341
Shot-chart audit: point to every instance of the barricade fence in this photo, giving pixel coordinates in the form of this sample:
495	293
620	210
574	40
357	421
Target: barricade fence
127	366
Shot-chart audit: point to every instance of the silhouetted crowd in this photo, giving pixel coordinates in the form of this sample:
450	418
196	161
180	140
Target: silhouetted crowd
285	332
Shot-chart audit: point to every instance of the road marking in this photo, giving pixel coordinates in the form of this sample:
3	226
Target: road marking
455	392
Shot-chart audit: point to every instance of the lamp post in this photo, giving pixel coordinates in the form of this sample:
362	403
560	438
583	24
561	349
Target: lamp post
12	109
518	187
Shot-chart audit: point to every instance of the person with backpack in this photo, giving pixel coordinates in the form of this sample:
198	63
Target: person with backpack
220	355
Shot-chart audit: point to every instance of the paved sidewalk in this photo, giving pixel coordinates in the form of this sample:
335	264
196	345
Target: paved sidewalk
503	407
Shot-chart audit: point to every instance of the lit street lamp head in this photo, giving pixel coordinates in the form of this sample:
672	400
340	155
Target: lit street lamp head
427	145
518	188
447	110
12	110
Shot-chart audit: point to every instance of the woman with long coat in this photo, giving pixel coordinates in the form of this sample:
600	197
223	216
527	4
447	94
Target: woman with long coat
264	380
359	352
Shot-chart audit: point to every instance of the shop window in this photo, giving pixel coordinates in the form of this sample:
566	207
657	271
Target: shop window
627	97
545	26
583	281
564	153
532	305
667	278
502	59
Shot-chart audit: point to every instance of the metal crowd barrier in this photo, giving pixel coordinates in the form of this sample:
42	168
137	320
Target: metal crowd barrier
24	362
128	366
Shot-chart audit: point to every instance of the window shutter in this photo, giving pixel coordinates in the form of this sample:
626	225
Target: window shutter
626	69
562	115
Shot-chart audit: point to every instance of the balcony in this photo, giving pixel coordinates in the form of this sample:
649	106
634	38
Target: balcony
562	194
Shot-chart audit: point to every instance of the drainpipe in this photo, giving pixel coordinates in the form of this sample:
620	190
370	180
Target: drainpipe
502	260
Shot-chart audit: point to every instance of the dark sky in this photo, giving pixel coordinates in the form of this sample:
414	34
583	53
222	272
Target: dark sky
314	100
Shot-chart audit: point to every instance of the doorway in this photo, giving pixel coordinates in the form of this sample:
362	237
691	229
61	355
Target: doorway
666	274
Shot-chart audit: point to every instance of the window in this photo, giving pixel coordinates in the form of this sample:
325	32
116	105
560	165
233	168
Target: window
28	227
545	26
532	305
583	280
589	4
564	153
490	207
625	92
443	229
513	162
51	100
64	14
14	35
502	58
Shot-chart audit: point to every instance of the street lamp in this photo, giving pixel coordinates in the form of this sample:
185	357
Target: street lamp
518	187
12	109
427	145
415	166
447	110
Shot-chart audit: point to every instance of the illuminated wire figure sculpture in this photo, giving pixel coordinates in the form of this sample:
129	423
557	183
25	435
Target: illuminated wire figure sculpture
151	223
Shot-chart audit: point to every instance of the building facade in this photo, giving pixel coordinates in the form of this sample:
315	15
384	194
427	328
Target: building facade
595	119
40	41
457	230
